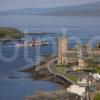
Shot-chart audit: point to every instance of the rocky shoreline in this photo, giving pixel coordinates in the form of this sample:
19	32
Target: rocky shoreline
60	94
43	74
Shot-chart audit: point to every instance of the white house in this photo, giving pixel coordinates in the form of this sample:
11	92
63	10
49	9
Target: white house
76	89
96	76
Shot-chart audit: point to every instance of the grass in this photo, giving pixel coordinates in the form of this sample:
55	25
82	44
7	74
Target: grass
98	70
97	97
63	65
73	78
61	70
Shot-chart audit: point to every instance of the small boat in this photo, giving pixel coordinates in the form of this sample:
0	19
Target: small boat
23	44
32	43
39	43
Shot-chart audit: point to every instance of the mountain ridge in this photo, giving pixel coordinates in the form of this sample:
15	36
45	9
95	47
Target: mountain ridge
91	9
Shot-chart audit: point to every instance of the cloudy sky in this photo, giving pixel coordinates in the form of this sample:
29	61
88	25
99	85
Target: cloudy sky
15	4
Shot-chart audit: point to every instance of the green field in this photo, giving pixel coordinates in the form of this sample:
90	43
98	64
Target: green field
61	69
97	97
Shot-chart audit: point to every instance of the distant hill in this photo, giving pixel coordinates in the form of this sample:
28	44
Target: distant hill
25	11
91	9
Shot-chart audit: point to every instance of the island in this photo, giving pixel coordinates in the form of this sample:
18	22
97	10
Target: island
9	33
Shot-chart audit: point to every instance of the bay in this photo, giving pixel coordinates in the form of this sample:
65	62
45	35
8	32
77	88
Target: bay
85	28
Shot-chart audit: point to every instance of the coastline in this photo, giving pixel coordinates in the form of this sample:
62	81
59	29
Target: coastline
44	74
60	94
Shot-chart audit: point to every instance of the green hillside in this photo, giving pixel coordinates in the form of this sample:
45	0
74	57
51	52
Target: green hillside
7	33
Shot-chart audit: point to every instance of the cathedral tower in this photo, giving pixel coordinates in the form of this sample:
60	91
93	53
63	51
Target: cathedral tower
62	49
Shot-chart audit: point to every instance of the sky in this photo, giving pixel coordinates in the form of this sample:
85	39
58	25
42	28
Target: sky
16	4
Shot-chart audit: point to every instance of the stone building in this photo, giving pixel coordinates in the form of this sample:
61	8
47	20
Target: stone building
62	48
73	56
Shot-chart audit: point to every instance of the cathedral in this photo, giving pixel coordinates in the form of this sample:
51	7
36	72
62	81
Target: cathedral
74	56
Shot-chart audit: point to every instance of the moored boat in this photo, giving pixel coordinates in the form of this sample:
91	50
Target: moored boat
32	43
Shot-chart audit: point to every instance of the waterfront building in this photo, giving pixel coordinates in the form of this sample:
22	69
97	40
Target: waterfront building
77	56
69	56
62	49
76	89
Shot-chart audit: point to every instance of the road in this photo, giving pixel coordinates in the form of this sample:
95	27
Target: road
52	69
